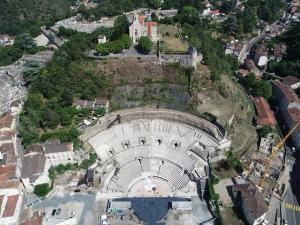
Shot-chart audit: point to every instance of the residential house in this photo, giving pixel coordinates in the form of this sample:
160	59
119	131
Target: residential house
10	203
251	201
34	170
233	48
58	153
242	73
251	67
214	13
292	81
9	159
261	56
93	104
102	39
101	102
289	108
141	27
33	218
16	106
265	116
6	40
7	123
278	51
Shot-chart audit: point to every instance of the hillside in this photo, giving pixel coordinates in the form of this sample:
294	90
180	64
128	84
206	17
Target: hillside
224	100
27	15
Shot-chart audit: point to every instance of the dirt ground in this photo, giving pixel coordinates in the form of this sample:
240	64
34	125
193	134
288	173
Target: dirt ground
137	71
229	217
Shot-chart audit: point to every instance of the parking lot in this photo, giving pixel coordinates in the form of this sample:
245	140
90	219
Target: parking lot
79	205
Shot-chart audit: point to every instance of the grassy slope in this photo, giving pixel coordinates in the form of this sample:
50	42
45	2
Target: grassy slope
225	99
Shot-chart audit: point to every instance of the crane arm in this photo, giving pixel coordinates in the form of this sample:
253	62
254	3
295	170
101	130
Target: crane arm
273	152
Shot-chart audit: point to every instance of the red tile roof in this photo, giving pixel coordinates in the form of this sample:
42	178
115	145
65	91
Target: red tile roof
7	172
265	116
8	151
10	206
9	184
36	219
6	121
290	80
37	148
287	91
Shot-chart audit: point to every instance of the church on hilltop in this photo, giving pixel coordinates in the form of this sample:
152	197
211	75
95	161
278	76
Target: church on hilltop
142	27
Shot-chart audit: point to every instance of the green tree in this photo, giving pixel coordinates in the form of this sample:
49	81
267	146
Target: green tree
42	190
263	88
249	20
125	38
249	81
155	3
100	111
264	131
25	42
145	45
121	26
189	15
230	25
117	46
103	49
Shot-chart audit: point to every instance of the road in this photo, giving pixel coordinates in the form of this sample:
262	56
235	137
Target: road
285	209
51	34
290	197
247	47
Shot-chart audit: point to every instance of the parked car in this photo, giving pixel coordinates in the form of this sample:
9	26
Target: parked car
53	212
58	211
265	222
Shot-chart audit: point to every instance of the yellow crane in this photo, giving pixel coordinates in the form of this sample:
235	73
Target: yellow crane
273	153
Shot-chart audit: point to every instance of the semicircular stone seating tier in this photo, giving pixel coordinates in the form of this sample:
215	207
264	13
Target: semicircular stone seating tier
157	146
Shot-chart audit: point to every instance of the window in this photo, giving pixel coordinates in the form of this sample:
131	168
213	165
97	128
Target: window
126	144
142	141
159	141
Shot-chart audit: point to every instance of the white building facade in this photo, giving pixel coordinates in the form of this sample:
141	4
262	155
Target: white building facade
140	27
58	153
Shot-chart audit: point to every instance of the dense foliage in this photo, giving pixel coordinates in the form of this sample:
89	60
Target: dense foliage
264	131
23	44
28	16
52	90
259	88
212	49
60	169
290	65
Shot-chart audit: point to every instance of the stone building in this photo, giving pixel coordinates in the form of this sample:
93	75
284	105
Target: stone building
142	27
252	202
289	108
58	153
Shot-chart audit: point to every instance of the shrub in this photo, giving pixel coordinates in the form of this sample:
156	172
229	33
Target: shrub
263	131
145	45
126	40
42	189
